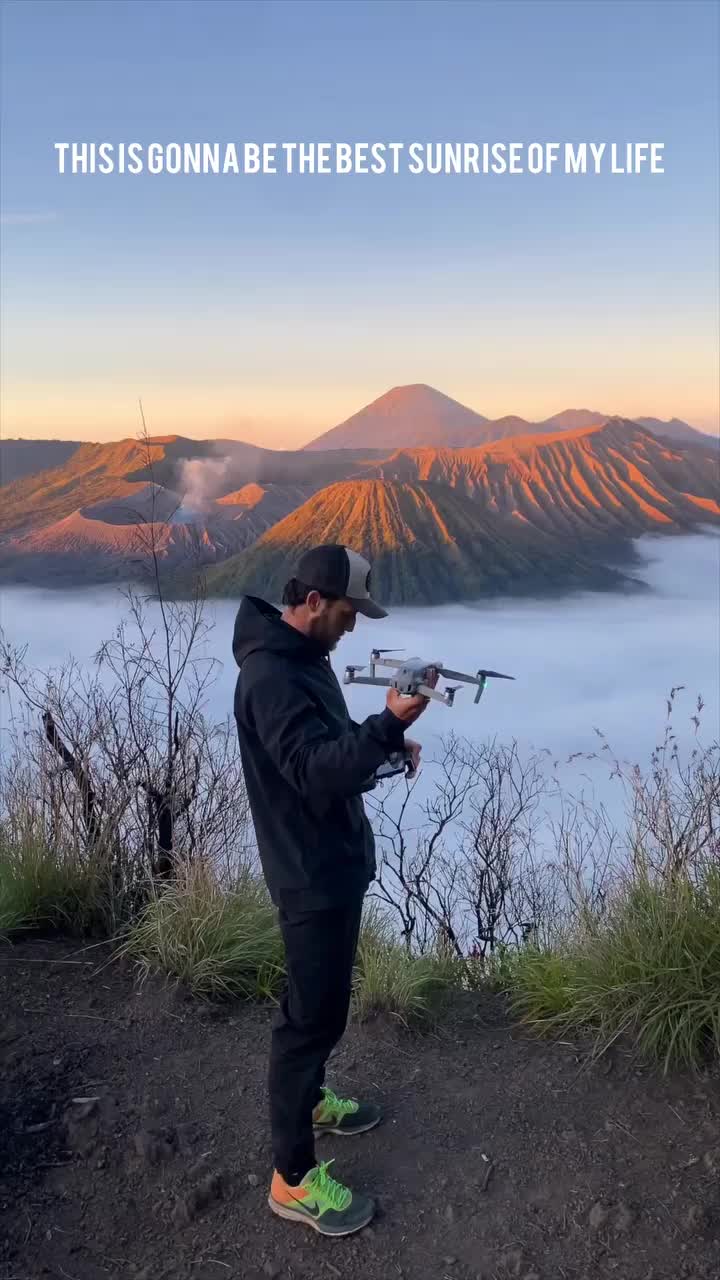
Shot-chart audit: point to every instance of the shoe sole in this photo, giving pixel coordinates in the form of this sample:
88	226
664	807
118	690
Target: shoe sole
348	1133
294	1215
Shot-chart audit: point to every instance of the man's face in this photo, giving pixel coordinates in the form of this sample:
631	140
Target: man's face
329	619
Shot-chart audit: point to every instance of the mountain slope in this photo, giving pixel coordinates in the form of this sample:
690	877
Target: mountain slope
573	420
265	504
608	482
94	473
678	431
112	541
428	544
206	469
675	429
410	415
20	458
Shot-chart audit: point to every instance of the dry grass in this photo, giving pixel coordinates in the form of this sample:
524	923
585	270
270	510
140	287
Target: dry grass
649	972
221	942
41	887
389	979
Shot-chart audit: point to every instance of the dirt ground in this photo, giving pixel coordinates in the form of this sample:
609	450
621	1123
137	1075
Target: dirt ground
133	1143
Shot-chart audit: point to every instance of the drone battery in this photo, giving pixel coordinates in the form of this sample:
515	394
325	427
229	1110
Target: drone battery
398	762
388	770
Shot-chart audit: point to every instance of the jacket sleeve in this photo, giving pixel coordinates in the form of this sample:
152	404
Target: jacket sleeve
298	742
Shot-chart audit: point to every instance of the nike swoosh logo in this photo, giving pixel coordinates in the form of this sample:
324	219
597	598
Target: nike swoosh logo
314	1212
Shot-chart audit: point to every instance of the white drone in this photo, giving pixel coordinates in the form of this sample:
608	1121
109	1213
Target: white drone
409	676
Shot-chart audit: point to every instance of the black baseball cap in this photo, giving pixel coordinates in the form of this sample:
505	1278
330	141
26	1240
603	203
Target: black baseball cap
339	571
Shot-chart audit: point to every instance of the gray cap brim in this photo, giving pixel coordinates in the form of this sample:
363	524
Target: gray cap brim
368	608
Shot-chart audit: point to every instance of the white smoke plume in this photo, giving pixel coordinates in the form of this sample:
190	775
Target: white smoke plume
202	480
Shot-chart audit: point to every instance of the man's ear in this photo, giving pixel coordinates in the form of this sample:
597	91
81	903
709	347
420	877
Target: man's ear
313	601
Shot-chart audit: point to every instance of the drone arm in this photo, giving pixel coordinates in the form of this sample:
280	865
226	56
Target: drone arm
459	675
480	677
378	680
426	692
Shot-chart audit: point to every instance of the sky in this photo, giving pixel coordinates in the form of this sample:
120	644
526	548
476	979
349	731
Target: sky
270	307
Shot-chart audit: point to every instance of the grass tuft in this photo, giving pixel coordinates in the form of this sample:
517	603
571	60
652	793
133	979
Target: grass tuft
390	980
222	943
42	887
649	971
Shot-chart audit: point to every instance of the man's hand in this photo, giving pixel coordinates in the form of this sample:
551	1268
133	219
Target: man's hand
409	709
414	749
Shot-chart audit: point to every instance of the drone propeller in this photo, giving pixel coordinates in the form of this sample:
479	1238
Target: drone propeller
377	656
484	676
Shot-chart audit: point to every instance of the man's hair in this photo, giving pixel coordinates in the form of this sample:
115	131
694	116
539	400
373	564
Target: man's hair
296	593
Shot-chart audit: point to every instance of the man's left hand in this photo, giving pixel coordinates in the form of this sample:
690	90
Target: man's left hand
414	749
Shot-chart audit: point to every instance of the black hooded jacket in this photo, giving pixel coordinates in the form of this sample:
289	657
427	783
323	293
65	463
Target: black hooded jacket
305	762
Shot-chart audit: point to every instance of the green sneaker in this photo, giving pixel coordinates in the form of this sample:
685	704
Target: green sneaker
324	1204
343	1115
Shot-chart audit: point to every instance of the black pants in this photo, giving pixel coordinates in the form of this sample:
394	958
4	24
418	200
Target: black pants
320	949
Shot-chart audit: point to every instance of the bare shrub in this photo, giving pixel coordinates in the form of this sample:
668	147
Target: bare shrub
119	762
466	877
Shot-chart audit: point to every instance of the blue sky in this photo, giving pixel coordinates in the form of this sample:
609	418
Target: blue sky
271	307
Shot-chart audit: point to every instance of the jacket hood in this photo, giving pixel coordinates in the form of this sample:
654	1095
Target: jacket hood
259	625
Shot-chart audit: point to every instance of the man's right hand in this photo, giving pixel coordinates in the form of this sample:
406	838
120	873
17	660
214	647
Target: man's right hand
408	709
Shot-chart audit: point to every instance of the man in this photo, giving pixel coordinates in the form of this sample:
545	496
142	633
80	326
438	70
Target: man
306	764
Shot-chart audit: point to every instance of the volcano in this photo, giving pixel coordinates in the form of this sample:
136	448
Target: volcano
411	415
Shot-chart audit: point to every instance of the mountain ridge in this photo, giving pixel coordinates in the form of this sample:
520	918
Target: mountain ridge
75	478
581	494
613	481
417	414
475	515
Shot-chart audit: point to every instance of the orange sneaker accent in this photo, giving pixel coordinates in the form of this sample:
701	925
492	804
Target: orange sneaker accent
283	1193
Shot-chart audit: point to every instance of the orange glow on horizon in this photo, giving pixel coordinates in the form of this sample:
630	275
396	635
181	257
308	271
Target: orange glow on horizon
276	418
